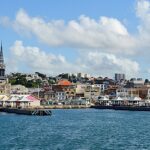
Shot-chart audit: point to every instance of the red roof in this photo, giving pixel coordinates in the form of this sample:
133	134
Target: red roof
31	98
64	83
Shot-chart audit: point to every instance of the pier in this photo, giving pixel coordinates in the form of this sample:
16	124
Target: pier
128	108
27	111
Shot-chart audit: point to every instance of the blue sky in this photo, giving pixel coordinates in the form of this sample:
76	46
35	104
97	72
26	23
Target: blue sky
99	37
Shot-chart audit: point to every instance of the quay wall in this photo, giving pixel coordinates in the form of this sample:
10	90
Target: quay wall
66	106
27	111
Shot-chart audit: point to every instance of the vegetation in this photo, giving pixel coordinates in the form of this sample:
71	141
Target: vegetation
18	78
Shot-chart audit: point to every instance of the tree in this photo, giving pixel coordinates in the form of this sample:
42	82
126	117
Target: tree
43	76
146	81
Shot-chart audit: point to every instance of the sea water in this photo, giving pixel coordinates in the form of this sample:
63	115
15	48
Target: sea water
76	129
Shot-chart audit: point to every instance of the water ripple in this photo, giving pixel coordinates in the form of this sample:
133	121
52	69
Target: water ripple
81	129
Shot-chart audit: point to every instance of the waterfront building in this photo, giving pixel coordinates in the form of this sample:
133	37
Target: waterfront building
119	101
60	95
21	101
128	93
3	99
80	89
122	92
130	101
148	94
119	77
80	101
103	100
92	92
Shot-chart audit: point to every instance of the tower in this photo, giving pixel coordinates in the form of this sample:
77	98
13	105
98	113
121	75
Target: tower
2	65
119	76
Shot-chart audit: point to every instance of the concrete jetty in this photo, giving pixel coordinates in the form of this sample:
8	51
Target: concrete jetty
27	111
128	108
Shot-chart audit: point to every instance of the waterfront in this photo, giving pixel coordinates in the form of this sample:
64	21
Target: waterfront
76	129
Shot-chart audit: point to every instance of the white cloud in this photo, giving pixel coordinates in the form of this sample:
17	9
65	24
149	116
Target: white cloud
109	64
105	34
95	63
143	13
105	46
37	60
142	8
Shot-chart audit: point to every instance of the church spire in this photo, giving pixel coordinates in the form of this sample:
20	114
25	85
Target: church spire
1	55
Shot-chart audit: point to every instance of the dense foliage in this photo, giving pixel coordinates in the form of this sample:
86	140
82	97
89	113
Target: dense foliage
18	78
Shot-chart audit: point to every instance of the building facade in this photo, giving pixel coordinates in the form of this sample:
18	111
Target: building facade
119	77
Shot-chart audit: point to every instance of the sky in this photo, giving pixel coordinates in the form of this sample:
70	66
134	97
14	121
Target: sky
98	37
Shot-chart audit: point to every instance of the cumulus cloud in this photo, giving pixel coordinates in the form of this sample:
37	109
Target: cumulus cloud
109	64
96	63
104	45
36	59
105	34
143	13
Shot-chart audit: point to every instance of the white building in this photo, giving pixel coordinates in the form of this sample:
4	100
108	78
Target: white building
21	101
92	92
80	89
148	94
60	96
123	92
101	86
137	83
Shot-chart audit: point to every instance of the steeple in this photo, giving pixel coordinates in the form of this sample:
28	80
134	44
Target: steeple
2	65
1	55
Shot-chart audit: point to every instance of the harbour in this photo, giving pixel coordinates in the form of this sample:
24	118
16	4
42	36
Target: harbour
75	75
76	129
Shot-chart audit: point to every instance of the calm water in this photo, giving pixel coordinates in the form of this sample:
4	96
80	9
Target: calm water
87	129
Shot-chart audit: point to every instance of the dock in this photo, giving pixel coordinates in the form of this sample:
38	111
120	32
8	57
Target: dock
27	111
66	107
128	108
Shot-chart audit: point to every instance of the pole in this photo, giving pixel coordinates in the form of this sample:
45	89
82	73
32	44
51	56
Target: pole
38	92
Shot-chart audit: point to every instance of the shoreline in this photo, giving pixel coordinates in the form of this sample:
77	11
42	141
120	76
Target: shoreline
66	107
